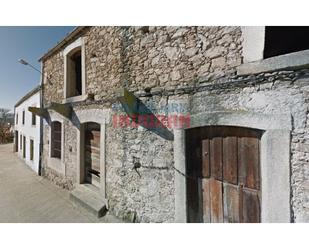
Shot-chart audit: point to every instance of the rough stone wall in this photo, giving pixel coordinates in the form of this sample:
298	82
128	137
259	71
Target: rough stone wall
284	92
139	58
172	63
54	70
70	151
148	57
147	191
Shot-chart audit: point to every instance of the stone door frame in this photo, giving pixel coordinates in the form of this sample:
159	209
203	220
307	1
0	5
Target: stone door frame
100	117
274	157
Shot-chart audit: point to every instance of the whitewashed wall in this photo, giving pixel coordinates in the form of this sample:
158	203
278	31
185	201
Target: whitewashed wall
29	131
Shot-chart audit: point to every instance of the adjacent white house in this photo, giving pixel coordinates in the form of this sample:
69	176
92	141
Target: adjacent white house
28	129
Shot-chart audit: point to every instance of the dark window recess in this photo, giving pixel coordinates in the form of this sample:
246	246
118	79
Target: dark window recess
16	118
78	72
33	119
20	142
24	147
23	117
31	149
56	140
281	40
74	74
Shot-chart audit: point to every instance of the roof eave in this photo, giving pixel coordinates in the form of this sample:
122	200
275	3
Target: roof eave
64	41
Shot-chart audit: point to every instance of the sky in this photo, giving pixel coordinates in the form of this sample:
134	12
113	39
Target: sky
28	43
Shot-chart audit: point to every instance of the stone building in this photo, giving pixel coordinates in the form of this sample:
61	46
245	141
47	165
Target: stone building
242	152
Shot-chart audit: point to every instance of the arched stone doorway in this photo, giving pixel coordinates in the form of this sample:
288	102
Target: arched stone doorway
223	174
274	160
91	147
92	153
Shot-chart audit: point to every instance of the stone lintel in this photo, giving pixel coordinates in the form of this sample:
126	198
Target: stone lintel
292	61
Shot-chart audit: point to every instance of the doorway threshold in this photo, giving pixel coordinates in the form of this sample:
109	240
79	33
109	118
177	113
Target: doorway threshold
89	197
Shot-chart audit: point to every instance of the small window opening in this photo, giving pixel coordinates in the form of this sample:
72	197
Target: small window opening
31	149
33	119
24	147
23	117
56	139
74	74
20	142
281	40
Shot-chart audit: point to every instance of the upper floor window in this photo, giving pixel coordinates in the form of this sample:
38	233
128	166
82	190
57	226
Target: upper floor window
16	121
23	117
33	120
281	40
74	73
274	48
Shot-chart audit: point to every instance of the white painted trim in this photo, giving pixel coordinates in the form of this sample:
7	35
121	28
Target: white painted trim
180	176
253	55
75	99
102	161
291	61
253	43
275	160
56	163
275	175
243	119
77	43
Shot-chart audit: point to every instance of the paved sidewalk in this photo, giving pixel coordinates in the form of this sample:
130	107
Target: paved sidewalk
26	197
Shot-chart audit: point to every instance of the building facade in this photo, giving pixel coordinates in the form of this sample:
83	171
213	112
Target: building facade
28	129
180	124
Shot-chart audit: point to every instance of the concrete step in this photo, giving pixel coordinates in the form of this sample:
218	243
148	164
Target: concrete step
88	197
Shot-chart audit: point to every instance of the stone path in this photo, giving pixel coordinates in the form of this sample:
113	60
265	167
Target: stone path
26	197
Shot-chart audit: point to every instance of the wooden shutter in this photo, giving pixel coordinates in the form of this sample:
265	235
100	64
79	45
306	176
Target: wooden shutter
56	140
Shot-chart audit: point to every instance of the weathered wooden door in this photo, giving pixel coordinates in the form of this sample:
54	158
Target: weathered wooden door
223	174
92	153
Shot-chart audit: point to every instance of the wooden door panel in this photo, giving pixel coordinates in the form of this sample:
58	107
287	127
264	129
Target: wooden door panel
216	207
206	200
230	159
227	168
250	206
205	158
248	162
93	138
92	153
231	203
216	158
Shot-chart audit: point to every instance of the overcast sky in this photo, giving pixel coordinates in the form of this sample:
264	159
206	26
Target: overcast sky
29	43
